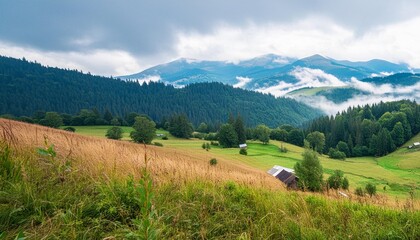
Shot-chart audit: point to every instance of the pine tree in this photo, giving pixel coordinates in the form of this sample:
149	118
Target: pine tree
227	136
240	130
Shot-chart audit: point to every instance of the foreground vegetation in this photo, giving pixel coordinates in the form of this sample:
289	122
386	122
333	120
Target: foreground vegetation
96	188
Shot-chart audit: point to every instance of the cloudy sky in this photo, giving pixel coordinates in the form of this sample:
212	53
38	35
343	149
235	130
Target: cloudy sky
110	37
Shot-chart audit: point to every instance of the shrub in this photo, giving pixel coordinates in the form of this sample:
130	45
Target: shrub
370	189
198	135
164	138
243	151
70	129
359	191
335	181
345	184
114	133
158	144
283	149
336	154
211	137
214	143
206	146
213	162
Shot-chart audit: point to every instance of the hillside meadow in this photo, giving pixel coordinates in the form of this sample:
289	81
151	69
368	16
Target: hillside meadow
395	174
61	185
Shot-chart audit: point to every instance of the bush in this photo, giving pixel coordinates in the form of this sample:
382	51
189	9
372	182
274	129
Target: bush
336	154
214	143
211	137
335	181
114	133
213	162
359	192
345	184
70	129
198	135
243	151
164	138
283	149
158	144
370	189
206	146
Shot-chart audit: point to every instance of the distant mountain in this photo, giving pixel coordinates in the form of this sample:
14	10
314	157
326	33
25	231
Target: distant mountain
270	73
27	87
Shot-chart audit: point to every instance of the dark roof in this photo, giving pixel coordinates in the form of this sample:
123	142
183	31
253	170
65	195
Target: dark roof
286	177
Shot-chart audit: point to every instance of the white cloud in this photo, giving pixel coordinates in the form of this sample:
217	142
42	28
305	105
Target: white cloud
331	108
306	77
242	81
371	87
147	79
309	77
100	61
278	90
397	42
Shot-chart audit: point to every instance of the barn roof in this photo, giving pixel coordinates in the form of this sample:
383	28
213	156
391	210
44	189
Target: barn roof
286	177
277	169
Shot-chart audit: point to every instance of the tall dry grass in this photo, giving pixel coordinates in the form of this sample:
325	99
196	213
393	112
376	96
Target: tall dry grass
110	159
103	158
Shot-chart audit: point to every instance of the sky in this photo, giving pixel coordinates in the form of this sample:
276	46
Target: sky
113	38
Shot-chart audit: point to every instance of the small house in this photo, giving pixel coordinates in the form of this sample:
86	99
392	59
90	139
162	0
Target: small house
243	146
286	175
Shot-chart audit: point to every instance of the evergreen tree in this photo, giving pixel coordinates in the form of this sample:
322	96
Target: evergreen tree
295	137
108	116
227	136
398	134
240	130
180	126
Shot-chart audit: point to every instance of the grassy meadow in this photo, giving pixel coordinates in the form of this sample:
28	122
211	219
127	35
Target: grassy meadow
395	174
61	185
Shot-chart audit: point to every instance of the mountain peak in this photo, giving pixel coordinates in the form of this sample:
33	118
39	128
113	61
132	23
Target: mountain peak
316	57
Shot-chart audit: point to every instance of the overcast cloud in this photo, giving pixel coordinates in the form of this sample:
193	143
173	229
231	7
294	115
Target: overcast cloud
122	37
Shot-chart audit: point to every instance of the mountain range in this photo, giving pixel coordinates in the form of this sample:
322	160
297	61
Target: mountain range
330	81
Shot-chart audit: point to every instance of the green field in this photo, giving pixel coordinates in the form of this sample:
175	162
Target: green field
308	91
395	174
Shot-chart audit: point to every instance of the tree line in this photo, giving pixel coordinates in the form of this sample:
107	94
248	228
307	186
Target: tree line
28	87
371	130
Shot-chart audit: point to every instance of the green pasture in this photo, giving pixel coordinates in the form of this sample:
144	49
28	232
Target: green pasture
394	174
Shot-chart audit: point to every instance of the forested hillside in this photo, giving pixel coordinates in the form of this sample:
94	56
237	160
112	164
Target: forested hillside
27	87
370	130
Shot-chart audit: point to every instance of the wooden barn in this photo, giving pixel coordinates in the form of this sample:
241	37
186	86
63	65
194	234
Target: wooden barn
286	175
